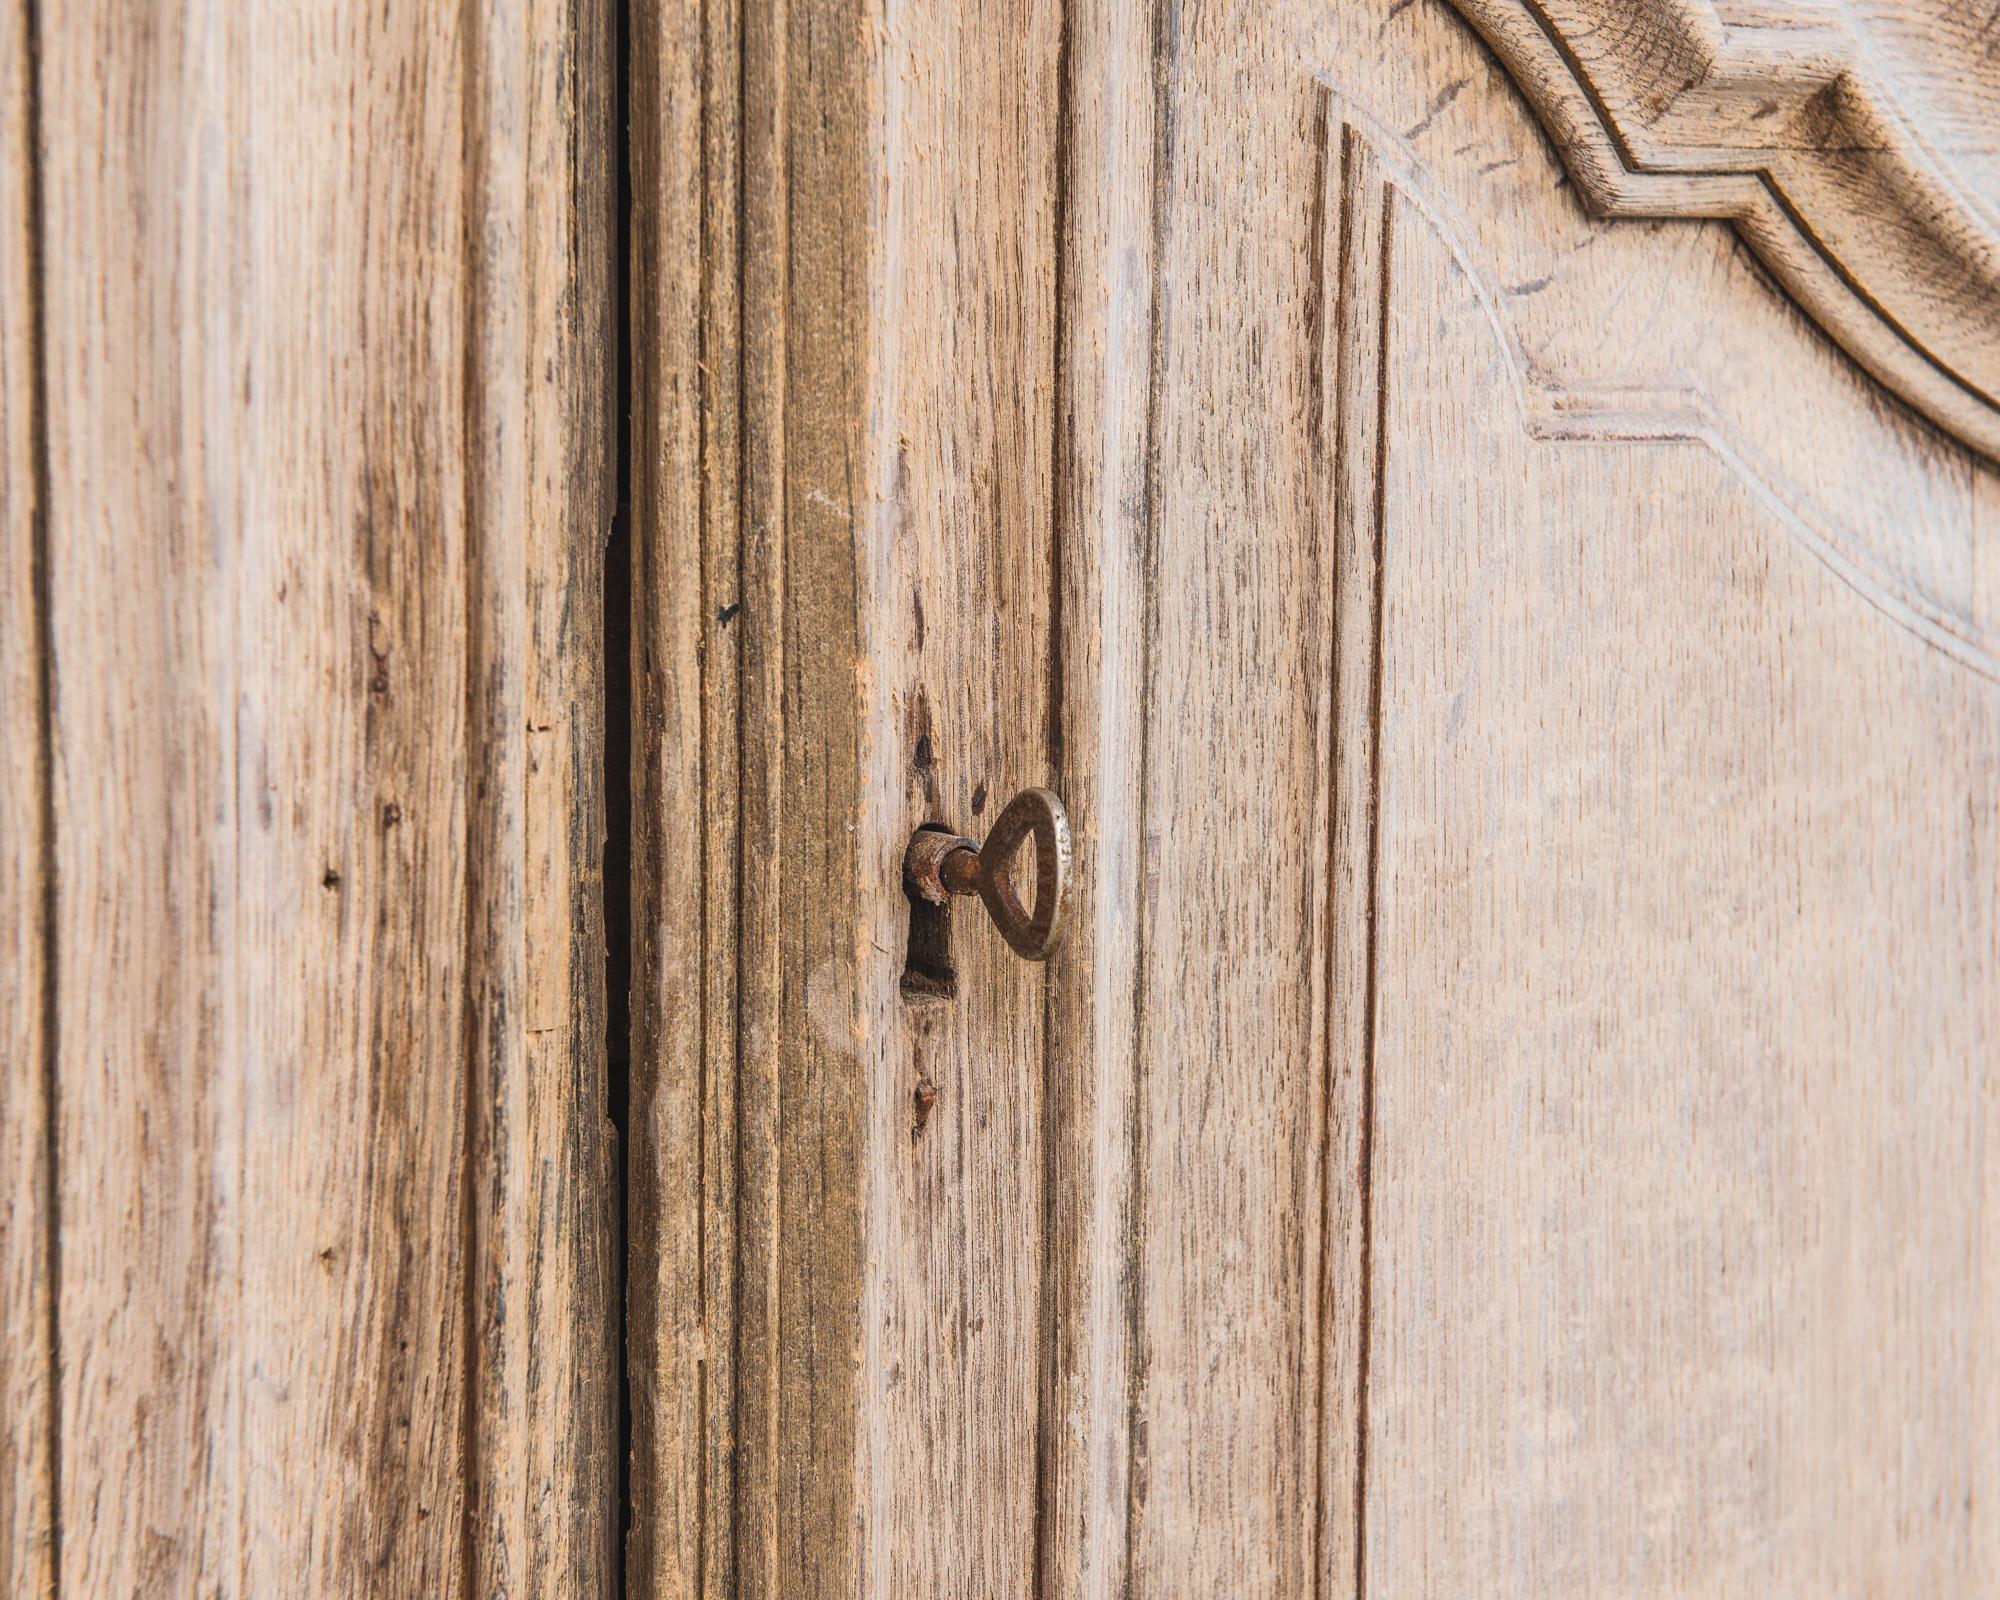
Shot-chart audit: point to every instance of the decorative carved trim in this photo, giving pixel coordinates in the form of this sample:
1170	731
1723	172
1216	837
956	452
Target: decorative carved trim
1597	411
1659	110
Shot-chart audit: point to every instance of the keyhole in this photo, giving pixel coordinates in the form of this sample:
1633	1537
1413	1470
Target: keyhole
928	970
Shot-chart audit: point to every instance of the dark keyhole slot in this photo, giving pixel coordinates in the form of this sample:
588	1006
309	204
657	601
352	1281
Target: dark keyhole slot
928	972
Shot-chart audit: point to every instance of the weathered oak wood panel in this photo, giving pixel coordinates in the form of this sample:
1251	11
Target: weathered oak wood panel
323	345
1509	1114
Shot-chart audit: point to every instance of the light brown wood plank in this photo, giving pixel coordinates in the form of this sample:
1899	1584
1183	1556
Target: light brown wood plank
1231	1039
547	1341
842	628
681	1491
1109	204
326	499
749	327
262	820
27	1356
959	563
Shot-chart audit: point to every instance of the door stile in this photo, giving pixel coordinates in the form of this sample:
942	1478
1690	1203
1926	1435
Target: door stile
744	1179
1107	358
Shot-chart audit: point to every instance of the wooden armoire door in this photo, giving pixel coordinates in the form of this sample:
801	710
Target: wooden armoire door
1487	517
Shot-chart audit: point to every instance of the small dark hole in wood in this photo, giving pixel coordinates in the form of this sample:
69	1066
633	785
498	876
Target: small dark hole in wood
928	971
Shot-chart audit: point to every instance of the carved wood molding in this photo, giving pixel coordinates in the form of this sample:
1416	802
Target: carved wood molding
1608	407
1659	110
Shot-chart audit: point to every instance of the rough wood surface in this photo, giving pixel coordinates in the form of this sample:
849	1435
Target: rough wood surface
958	567
324	363
542	1454
843	590
1107	318
1230	1022
681	1257
750	323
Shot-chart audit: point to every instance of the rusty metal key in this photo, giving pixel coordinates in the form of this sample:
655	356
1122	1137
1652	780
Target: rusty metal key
938	865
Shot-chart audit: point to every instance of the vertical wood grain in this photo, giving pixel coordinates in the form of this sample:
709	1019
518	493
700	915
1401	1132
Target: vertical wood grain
326	498
688	845
262	821
846	553
805	1034
960	561
1106	310
542	1447
748	328
27	1224
677	1182
1687	878
1230	1104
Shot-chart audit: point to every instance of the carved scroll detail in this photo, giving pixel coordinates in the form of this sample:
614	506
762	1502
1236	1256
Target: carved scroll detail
1659	110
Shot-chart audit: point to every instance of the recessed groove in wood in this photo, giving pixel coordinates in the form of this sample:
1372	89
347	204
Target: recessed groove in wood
1320	321
1058	1252
30	1252
618	777
1365	1165
1159	224
1363	210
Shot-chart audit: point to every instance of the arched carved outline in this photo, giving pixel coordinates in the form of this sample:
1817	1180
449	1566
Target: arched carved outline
1658	110
1599	412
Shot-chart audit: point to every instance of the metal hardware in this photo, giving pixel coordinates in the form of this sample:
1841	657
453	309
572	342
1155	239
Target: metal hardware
938	865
